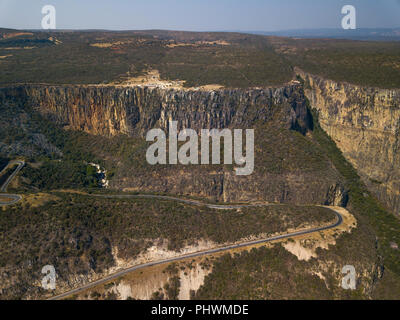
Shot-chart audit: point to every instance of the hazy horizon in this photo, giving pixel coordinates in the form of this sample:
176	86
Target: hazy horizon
206	15
182	30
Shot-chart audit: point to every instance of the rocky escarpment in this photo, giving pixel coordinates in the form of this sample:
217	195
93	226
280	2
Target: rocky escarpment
365	124
108	110
287	168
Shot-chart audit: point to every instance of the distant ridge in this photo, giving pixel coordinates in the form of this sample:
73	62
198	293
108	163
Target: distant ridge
366	34
381	34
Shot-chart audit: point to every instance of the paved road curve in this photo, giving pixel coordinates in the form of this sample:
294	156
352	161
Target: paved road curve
14	197
11	163
113	276
187	201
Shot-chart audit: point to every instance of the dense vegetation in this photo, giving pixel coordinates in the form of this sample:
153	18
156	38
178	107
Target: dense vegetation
274	274
266	273
54	159
229	59
53	175
6	174
374	64
58	158
3	163
74	59
385	225
21	43
77	233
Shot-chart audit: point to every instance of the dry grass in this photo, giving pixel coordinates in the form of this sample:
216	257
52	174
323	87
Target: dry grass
5	199
110	44
174	44
38	199
144	275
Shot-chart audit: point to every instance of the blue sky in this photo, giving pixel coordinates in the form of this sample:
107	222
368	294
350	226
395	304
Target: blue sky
199	15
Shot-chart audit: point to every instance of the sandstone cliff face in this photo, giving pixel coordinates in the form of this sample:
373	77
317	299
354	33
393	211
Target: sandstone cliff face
106	110
132	111
365	124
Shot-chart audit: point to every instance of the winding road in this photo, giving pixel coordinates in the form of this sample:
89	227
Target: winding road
14	197
339	221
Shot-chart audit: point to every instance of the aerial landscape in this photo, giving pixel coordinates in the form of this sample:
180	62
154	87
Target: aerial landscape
153	164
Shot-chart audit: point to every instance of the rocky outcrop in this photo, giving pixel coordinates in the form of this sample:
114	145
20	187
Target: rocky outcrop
365	124
108	110
132	111
223	185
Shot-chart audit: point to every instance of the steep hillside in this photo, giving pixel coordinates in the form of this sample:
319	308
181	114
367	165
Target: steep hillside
88	237
365	124
72	100
289	167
